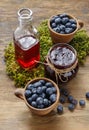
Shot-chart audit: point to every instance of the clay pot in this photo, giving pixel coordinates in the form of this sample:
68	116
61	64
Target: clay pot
19	92
63	38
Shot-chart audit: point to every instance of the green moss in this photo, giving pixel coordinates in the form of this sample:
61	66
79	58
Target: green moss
20	76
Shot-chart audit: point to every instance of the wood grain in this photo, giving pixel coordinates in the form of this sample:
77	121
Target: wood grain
14	114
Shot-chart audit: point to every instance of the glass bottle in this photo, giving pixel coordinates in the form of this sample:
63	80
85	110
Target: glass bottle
26	40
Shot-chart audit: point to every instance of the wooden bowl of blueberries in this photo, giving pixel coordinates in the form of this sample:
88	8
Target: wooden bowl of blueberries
62	27
41	95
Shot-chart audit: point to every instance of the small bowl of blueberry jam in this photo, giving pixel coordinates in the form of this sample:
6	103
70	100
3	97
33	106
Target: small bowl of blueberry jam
62	27
62	63
41	95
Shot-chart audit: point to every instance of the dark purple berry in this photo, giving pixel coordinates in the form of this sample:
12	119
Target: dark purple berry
34	97
70	98
87	95
39	90
74	101
46	102
53	25
82	103
39	100
49	91
62	99
58	20
73	21
60	109
27	93
48	84
34	104
71	107
52	98
65	20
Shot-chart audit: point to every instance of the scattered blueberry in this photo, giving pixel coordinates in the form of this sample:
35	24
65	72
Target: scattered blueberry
70	98
62	99
82	103
74	101
71	107
87	95
60	109
64	92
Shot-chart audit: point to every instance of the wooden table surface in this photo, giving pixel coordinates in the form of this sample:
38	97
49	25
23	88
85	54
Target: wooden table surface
14	114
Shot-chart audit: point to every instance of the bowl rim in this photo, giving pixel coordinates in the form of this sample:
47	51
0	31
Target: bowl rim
71	16
44	109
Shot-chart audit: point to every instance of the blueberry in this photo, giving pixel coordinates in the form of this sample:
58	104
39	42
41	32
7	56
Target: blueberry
37	84
60	109
70	98
43	95
34	90
62	32
53	25
54	89
71	107
39	101
27	93
46	102
74	101
68	30
74	26
49	103
52	20
57	29
63	15
29	100
68	25
48	84
34	104
87	95
30	86
62	27
62	99
34	97
82	103
64	92
44	89
42	82
65	20
39	90
58	20
52	98
41	106
72	21
49	91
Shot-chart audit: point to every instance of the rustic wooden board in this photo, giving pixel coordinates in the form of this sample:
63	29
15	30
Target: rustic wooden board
13	112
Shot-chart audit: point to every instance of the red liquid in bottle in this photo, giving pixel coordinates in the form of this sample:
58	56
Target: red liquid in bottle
27	51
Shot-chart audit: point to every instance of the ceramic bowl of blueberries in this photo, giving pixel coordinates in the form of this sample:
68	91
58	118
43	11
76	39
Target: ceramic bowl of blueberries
62	27
41	95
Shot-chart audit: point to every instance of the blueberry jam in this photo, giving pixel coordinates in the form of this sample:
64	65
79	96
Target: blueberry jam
62	57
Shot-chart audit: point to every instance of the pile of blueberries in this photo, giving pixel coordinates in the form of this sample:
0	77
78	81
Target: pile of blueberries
63	24
66	97
41	94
